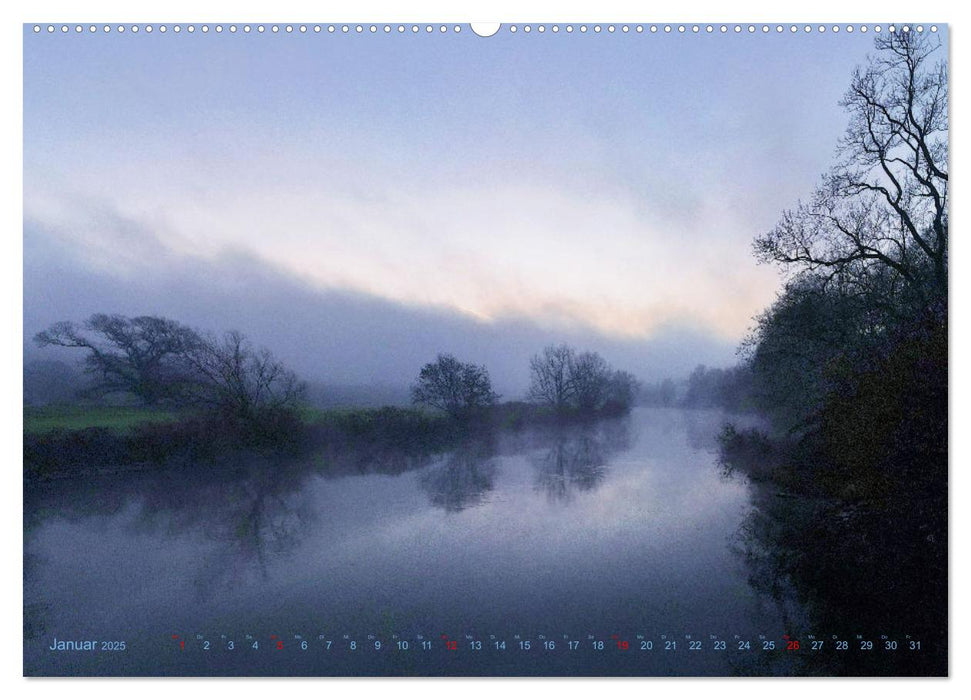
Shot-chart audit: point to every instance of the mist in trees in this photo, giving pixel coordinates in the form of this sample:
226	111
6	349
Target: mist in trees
143	356
712	387
851	361
243	381
865	257
567	381
159	361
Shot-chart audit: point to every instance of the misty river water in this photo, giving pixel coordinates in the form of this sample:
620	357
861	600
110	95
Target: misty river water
618	531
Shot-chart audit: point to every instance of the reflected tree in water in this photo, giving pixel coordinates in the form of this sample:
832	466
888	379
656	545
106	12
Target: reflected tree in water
832	567
575	459
263	518
463	479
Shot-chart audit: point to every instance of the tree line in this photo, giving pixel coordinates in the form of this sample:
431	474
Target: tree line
859	328
562	379
851	365
865	256
159	361
851	360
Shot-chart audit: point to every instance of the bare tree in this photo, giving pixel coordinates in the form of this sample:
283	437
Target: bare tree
590	376
622	390
144	356
458	388
878	224
242	381
550	377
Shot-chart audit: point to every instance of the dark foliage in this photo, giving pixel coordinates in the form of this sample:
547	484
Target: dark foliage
851	362
462	390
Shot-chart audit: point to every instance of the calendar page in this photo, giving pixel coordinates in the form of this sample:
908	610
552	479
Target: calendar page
519	349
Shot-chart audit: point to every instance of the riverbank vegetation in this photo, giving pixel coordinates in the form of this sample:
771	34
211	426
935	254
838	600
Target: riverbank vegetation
159	393
850	364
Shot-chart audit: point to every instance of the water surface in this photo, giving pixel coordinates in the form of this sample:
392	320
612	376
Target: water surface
590	532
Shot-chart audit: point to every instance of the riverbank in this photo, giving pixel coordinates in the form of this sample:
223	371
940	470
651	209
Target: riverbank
77	441
837	535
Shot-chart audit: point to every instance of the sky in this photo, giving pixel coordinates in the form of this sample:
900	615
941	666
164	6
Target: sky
360	202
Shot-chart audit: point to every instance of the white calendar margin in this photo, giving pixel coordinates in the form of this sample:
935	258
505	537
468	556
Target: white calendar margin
11	284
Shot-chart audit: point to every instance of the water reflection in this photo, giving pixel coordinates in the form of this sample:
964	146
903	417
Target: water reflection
338	539
840	568
575	459
262	518
463	478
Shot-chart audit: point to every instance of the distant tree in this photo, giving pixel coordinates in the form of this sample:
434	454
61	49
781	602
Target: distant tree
551	382
663	393
667	392
143	356
728	388
583	382
241	381
590	377
458	388
622	390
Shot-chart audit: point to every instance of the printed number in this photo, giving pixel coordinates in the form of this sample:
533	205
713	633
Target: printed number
524	645
720	646
279	644
670	646
117	646
549	645
329	642
792	645
501	646
598	645
842	646
377	645
451	644
476	645
231	645
256	645
426	645
623	644
646	645
866	646
744	646
353	646
205	645
915	646
403	645
694	646
574	645
818	645
768	645
890	645
303	645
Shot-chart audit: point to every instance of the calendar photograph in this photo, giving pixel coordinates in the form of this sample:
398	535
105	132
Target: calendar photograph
468	350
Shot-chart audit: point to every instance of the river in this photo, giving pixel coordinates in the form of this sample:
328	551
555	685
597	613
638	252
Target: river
576	540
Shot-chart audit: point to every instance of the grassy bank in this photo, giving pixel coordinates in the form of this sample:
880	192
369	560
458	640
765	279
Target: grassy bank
42	419
70	441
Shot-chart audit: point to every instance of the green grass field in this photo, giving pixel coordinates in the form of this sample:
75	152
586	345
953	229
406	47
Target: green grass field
40	419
